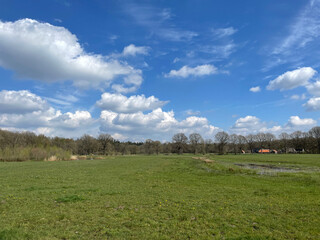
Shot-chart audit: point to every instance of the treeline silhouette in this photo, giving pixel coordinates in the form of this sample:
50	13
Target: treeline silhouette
22	146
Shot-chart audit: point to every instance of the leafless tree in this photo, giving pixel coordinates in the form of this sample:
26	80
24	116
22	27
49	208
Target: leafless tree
233	139
269	138
296	139
261	139
284	141
157	146
209	146
180	140
87	145
251	141
315	133
222	139
241	142
196	141
148	146
106	143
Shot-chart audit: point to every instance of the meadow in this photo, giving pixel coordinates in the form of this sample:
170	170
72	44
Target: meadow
162	197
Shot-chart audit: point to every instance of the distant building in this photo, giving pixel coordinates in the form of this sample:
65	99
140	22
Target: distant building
263	150
296	150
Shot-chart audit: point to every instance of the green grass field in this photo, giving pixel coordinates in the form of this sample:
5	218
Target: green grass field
162	197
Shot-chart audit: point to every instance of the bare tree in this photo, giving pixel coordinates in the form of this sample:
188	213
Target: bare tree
87	145
296	139
180	140
284	141
157	146
106	143
233	139
222	139
241	142
167	147
148	146
251	141
196	141
269	138
315	133
261	139
209	146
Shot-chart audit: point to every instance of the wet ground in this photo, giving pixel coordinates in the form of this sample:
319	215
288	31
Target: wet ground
272	169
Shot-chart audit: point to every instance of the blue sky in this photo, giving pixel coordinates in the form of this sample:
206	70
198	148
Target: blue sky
149	69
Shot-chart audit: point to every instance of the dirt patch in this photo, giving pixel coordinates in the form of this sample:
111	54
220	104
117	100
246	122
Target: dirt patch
204	159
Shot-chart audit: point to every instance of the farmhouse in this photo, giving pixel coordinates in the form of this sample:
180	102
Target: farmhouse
263	150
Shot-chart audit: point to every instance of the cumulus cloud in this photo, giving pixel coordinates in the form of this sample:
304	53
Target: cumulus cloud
156	124
41	51
298	123
30	112
186	71
132	50
255	89
248	124
313	104
253	125
292	79
20	102
314	88
122	104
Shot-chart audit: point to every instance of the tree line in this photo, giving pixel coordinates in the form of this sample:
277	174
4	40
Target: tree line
22	146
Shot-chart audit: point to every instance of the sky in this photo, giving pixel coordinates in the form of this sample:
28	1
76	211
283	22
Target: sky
150	69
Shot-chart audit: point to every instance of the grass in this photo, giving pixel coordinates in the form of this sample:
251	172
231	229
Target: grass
161	197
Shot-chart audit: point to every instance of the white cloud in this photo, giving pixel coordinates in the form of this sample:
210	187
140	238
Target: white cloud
198	71
292	79
122	104
224	32
158	22
71	121
298	97
120	88
274	130
175	60
30	112
255	89
220	51
41	51
20	102
132	50
314	88
156	125
304	30
246	125
176	35
298	123
253	125
190	112
313	104
62	100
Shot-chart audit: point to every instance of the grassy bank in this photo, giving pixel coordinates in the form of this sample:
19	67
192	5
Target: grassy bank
162	197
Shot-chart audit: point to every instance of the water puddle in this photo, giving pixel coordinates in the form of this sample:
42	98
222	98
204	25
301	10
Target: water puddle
269	169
